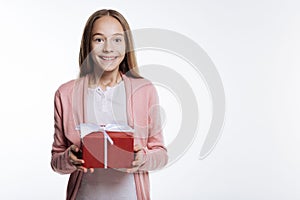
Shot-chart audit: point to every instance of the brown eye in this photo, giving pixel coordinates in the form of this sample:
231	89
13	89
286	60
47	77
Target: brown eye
118	40
99	40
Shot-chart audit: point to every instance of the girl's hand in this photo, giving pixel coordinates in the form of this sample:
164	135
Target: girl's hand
76	161
139	159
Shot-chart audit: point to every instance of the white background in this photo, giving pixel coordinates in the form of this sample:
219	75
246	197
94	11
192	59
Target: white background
255	46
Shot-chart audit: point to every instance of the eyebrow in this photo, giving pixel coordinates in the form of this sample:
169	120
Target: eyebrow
101	34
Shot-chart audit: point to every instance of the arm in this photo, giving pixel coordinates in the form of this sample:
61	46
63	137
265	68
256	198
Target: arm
155	153
60	161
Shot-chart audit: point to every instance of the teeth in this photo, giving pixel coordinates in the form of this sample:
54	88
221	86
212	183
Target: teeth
107	58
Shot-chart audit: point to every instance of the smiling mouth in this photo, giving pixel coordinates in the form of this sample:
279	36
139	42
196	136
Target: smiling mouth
108	58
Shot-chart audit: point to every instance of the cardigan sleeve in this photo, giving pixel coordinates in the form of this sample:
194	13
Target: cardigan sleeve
60	161
156	156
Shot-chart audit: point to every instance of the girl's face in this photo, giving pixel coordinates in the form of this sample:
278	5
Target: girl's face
108	43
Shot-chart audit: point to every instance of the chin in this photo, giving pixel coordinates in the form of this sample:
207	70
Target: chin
109	68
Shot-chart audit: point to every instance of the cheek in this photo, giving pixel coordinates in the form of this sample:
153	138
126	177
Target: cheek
92	46
121	49
96	48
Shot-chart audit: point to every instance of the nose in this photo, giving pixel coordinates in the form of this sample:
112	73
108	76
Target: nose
107	46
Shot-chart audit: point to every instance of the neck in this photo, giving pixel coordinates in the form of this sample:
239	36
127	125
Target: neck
105	79
110	78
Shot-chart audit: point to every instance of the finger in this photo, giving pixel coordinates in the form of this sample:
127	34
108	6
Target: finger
138	153
92	170
138	160
121	169
75	160
73	147
132	170
137	147
136	163
83	169
72	150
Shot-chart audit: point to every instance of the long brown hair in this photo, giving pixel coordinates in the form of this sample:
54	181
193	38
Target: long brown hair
128	66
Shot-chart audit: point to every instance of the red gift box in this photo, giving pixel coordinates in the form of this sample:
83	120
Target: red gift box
97	154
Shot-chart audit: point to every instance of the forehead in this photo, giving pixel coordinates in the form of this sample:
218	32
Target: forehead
107	26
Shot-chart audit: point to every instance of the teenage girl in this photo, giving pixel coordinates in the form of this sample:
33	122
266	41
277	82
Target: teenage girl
108	90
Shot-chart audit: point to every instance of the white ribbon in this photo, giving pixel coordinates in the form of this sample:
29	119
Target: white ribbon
87	128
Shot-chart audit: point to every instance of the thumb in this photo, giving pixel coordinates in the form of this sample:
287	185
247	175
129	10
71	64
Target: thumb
137	147
74	148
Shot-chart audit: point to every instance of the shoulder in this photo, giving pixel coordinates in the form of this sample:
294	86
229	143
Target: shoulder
141	88
141	83
65	88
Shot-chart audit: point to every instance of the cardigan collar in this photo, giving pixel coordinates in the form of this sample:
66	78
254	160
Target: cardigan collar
79	95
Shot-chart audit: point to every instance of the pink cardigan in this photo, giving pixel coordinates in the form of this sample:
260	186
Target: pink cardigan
142	115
